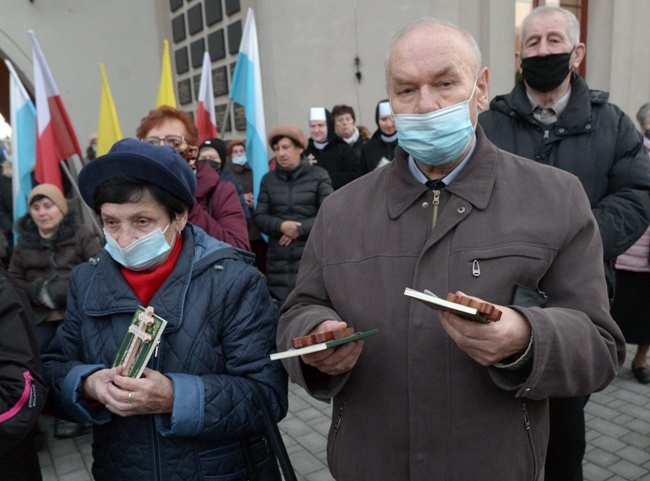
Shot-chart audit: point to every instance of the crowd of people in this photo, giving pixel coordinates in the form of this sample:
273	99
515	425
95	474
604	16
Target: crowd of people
536	202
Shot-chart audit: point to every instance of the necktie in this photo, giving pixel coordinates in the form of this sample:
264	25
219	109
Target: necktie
435	184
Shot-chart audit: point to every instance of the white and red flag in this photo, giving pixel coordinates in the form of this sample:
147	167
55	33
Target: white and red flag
56	139
206	120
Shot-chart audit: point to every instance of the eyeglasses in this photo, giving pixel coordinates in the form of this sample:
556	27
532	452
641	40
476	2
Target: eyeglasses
174	141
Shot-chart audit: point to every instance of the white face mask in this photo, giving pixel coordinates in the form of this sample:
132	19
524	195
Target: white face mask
147	252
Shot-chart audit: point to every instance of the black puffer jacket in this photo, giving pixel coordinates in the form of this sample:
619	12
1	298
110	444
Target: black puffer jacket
289	195
593	140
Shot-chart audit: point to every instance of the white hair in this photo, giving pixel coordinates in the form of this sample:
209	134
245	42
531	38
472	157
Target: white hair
573	26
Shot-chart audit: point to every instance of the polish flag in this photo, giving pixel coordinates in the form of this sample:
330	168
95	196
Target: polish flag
206	120
56	139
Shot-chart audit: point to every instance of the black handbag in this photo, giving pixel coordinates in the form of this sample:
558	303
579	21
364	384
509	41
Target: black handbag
279	451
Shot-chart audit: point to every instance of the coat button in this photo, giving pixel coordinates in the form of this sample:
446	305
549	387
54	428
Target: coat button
425	204
561	131
461	210
588	126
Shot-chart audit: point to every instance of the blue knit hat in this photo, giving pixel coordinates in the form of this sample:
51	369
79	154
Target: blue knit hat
158	165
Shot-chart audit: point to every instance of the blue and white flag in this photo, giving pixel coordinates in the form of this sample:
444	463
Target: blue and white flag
23	142
247	91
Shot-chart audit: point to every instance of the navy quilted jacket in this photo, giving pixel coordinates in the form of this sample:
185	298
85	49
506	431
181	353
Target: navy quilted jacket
221	328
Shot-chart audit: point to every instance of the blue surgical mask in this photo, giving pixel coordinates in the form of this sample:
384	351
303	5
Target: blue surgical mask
147	252
239	160
438	137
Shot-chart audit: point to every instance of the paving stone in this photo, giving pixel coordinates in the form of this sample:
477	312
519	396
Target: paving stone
81	475
607	428
637	440
591	472
639	426
627	470
601	458
48	473
306	463
312	442
321	475
68	463
297	404
61	447
608	444
295	427
633	455
310	414
600	411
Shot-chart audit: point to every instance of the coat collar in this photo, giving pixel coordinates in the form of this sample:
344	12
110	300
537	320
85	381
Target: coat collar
293	174
574	118
474	184
29	238
109	293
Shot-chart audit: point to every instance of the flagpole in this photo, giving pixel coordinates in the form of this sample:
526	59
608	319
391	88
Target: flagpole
85	209
225	116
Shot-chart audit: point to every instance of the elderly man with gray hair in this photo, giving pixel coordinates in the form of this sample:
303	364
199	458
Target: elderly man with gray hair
552	117
435	396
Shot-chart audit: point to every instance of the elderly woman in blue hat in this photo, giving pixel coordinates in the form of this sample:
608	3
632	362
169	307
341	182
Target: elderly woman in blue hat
192	414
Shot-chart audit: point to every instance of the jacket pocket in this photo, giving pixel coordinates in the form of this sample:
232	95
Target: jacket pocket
227	463
505	264
28	396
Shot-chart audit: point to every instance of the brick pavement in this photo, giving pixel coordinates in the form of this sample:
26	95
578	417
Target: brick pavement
618	435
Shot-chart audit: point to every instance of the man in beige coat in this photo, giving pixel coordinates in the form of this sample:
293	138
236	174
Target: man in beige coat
435	396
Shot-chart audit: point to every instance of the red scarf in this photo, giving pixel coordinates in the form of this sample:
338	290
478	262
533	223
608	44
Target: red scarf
145	284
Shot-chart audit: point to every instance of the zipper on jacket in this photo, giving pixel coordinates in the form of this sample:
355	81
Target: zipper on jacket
546	134
530	437
332	445
476	269
32	395
28	396
526	418
436	203
337	425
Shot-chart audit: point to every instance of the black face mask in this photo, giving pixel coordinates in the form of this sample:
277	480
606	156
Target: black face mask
546	73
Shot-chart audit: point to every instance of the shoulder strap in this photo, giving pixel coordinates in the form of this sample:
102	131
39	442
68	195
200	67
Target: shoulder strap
275	437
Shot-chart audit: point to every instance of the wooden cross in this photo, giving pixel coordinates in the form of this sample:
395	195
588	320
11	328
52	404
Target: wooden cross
140	335
312	160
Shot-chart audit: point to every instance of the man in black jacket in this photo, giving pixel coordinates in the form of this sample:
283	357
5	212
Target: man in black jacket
552	117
